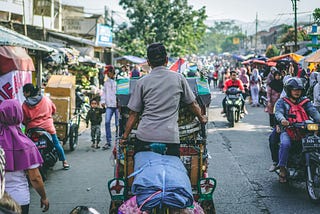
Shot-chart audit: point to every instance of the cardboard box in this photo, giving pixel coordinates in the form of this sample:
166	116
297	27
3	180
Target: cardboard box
63	86
62	131
63	106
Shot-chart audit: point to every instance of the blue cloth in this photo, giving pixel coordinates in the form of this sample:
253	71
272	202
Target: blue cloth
154	172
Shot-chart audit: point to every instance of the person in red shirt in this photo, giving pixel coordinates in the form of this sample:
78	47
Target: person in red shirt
37	112
234	81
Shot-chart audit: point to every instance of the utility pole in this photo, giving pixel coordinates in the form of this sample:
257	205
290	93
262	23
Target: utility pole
24	18
294	5
256	38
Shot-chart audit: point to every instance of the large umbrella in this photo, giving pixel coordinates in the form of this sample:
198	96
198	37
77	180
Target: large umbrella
254	61
131	59
314	57
290	57
14	58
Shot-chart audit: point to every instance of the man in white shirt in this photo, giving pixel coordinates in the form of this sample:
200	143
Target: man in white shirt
109	101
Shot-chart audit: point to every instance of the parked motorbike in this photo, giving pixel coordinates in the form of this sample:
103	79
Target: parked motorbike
82	104
263	100
304	159
233	103
44	143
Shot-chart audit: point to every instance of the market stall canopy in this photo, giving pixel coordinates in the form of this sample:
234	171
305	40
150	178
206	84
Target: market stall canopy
291	56
11	38
254	61
238	57
314	58
132	59
14	58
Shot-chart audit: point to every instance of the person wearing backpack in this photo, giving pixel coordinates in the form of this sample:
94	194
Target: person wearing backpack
292	104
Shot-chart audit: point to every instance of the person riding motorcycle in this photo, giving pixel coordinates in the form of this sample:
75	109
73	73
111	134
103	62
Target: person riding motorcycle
294	92
234	81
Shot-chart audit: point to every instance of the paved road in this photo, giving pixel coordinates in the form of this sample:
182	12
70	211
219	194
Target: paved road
240	162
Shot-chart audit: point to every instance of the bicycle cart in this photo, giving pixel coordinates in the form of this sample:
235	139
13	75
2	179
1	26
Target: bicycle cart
69	131
193	150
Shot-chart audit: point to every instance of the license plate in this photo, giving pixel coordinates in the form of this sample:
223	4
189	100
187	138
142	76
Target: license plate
233	96
311	143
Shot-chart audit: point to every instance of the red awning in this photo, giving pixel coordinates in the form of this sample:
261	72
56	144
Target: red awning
14	58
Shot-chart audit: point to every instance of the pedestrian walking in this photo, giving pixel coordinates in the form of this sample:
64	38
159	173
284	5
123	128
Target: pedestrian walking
109	101
22	158
94	116
255	82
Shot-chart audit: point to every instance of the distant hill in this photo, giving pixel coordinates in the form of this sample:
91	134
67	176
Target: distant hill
250	27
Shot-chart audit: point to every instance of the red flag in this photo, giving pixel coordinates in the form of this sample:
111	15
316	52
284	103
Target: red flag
177	65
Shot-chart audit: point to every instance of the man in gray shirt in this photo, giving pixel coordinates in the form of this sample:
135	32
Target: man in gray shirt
157	97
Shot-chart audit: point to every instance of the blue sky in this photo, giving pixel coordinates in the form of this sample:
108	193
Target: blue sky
244	10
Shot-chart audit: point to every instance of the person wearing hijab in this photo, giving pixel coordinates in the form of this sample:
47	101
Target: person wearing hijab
37	112
312	82
22	158
245	81
316	94
273	94
255	81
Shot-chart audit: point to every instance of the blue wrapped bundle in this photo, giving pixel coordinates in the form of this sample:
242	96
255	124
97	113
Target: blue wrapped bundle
154	172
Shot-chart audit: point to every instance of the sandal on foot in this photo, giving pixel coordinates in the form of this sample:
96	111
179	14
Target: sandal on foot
66	166
283	179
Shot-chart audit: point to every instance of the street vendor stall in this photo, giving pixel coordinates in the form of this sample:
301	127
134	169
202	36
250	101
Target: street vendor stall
16	68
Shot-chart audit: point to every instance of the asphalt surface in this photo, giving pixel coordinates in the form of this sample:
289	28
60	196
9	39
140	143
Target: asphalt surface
240	159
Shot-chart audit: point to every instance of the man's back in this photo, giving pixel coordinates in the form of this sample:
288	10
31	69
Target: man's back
158	96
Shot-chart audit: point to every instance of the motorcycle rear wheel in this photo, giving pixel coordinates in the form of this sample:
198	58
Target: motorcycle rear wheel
73	137
313	185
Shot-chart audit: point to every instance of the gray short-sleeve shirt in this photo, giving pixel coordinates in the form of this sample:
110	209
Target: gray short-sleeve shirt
158	96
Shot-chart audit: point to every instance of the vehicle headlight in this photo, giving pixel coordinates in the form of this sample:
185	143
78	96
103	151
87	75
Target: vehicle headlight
313	127
229	101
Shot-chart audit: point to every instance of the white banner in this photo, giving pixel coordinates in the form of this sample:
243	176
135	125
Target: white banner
11	85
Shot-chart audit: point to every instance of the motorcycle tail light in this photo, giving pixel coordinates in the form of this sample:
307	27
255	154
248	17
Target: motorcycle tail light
312	127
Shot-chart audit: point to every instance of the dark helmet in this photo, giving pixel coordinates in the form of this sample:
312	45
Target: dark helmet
293	83
273	69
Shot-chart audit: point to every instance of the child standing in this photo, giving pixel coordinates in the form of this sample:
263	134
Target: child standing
94	115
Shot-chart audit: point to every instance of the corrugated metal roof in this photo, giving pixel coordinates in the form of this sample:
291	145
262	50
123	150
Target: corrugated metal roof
75	39
11	38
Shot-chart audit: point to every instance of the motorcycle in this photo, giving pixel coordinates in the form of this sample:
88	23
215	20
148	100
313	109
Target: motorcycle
233	103
82	105
304	159
263	100
43	140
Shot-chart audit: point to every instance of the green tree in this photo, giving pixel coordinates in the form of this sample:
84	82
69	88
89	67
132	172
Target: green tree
316	15
174	23
272	51
219	38
302	35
